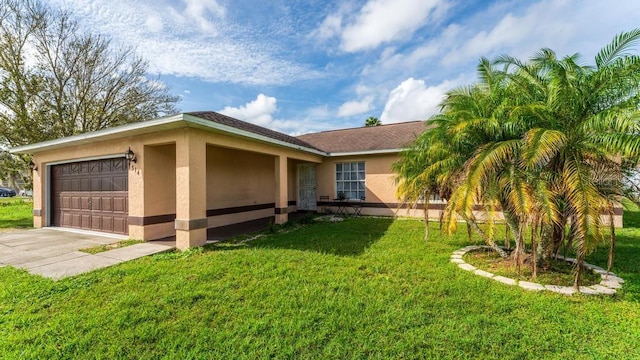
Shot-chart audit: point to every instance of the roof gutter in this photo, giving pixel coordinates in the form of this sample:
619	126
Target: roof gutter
367	152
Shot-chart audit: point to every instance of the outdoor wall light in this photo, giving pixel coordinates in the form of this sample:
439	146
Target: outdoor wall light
32	165
130	156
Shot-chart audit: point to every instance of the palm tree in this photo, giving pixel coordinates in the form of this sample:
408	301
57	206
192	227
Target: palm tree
546	142
372	121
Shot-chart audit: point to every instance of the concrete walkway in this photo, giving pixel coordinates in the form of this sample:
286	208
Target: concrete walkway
54	253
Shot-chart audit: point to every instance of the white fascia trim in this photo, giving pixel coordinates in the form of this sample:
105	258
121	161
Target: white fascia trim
96	134
367	152
231	130
161	121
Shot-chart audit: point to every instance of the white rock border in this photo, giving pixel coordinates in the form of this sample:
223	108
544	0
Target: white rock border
608	285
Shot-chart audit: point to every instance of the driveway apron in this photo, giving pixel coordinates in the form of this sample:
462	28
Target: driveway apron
55	254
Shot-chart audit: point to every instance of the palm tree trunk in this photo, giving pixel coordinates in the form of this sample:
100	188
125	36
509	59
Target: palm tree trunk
426	216
468	232
503	254
534	251
507	236
612	247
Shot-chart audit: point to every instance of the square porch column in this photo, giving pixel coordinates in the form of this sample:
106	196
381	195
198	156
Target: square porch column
191	191
281	191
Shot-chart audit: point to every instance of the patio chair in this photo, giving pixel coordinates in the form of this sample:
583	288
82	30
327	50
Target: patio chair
325	207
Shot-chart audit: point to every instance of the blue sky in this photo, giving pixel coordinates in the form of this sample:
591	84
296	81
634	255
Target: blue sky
304	66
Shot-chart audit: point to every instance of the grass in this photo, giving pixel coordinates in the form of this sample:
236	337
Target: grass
554	272
16	213
362	288
107	247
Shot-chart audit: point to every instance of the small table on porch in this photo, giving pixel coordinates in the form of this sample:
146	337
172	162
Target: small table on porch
342	206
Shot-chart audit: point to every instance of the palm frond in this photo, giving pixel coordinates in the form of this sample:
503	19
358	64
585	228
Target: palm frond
618	47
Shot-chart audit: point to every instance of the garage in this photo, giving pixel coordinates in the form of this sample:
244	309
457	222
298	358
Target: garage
91	195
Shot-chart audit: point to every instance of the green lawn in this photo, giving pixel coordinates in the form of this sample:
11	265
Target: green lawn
16	213
364	288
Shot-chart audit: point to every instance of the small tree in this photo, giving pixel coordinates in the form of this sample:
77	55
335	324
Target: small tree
57	81
372	121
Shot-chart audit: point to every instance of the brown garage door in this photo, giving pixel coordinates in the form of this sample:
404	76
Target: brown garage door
91	195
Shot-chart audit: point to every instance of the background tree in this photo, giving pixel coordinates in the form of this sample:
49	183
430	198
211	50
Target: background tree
372	121
56	80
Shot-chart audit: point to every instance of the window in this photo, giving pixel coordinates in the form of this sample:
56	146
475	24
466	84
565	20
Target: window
350	180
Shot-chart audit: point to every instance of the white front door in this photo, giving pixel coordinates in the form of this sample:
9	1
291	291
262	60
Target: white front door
307	187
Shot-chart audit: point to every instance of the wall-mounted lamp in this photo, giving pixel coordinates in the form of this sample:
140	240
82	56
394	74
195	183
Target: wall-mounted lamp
32	166
130	156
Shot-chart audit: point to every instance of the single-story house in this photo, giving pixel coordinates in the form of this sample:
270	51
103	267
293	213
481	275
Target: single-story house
183	174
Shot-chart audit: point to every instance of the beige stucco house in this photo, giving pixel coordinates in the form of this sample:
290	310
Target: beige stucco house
183	174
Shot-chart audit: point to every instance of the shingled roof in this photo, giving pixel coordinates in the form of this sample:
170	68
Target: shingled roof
252	128
371	138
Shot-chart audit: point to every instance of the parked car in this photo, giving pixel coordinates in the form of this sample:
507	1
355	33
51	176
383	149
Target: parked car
26	193
5	192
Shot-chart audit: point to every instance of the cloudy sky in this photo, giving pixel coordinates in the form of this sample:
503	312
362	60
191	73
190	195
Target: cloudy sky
302	66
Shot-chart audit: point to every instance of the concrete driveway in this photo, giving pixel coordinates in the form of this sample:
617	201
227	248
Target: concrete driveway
54	253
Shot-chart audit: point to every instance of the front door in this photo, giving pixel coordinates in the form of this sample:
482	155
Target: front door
307	187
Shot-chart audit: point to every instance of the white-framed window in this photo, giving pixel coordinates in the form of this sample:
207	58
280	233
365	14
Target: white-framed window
350	179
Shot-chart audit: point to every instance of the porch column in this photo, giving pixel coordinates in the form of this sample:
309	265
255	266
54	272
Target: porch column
39	195
136	194
191	191
282	193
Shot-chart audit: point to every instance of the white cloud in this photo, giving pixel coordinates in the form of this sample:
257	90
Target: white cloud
200	11
191	38
381	21
259	111
414	100
154	24
330	27
355	107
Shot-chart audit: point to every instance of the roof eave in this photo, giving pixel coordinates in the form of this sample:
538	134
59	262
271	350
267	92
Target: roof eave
366	152
166	123
243	133
169	122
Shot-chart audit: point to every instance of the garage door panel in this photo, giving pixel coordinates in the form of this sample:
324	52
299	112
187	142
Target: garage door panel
85	184
66	202
119	204
85	221
106	203
91	195
96	223
119	183
85	202
96	184
119	225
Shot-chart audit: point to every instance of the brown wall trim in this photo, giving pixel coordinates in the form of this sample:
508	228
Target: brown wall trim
37	212
616	211
151	220
193	224
239	209
281	210
379	205
292	203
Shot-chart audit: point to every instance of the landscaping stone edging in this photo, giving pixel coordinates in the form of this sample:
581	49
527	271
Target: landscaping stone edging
607	286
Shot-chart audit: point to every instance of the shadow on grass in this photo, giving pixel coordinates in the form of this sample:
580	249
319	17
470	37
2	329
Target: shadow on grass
350	237
627	253
16	224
